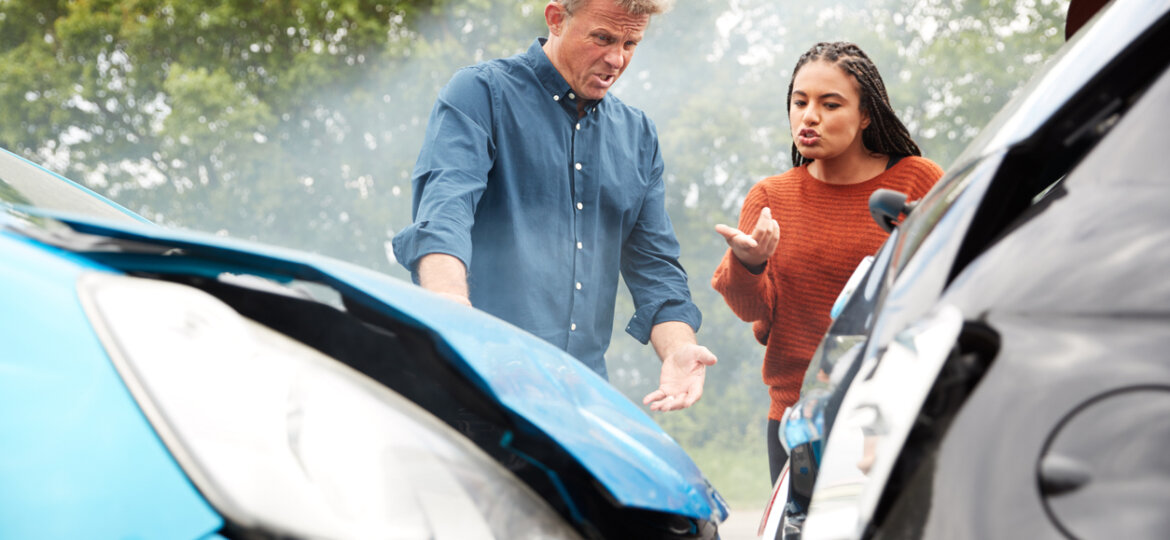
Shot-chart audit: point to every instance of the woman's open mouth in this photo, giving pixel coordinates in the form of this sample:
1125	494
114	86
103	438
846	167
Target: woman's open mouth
807	137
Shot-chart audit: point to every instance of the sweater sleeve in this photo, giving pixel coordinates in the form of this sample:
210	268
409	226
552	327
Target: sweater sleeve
750	296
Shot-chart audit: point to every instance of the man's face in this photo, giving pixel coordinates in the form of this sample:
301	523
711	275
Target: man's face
592	47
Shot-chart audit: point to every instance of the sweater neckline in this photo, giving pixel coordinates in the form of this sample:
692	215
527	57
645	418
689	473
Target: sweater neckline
807	177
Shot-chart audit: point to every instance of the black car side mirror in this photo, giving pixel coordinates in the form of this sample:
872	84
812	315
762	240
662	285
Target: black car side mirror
887	205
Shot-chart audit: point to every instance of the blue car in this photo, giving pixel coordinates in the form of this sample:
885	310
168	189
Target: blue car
157	383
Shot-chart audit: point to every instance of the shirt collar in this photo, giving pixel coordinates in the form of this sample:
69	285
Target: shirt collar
547	73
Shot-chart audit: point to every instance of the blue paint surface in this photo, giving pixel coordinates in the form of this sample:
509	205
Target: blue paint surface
79	458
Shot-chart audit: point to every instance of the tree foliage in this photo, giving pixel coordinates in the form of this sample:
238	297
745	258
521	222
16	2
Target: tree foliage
297	122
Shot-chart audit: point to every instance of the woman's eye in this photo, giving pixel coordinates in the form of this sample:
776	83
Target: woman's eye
832	106
798	103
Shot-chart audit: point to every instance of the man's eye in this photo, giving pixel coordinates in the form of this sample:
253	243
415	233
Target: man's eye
798	103
603	39
832	106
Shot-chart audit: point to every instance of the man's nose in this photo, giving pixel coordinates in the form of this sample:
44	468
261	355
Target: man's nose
615	57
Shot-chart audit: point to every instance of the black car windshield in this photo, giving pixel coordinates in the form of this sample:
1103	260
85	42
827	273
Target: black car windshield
23	184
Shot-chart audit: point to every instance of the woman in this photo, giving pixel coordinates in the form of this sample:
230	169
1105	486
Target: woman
802	233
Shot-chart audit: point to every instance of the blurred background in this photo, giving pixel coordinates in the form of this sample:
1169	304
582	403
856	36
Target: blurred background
297	122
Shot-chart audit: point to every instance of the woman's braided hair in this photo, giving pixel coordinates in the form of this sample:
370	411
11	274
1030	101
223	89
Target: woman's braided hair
885	133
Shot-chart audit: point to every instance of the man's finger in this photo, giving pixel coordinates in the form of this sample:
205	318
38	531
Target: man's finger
668	403
653	396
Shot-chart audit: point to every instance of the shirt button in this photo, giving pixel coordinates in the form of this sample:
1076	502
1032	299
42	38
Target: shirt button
580	206
556	98
578	285
573	327
579	245
578	126
577	166
572	95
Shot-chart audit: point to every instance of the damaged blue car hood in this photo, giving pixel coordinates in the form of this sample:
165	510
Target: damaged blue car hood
608	435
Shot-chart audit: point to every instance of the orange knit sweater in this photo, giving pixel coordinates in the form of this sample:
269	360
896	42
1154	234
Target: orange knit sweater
825	230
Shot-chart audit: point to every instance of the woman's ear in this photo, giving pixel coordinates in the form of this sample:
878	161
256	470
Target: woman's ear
554	16
865	120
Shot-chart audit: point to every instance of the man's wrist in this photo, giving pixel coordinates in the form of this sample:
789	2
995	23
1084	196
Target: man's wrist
443	274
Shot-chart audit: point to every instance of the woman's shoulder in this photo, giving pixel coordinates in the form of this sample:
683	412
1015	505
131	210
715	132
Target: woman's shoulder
789	177
773	188
919	166
914	175
776	185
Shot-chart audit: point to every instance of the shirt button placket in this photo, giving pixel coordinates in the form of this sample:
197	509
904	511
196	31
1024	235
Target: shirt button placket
580	190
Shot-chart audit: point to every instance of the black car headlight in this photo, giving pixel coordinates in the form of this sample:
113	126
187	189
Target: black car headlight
283	439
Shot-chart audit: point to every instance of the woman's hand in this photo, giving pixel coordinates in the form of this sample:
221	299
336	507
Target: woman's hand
755	249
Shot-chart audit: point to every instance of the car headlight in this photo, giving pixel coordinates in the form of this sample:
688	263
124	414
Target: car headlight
283	439
804	421
875	418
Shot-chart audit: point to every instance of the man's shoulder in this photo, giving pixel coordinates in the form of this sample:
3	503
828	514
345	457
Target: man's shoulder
617	106
523	63
629	115
490	68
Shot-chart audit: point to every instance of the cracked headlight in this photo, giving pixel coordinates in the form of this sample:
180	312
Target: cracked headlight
285	440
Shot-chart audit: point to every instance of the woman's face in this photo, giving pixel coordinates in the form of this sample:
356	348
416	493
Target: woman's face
825	112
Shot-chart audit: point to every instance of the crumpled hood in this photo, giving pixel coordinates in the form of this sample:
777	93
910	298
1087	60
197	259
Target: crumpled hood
574	408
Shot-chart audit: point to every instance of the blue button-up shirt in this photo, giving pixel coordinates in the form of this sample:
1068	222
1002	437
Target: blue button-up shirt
544	208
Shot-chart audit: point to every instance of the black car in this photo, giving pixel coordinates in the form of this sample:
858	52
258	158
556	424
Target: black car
1001	371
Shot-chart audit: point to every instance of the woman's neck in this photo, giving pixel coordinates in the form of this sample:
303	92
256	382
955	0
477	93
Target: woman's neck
848	169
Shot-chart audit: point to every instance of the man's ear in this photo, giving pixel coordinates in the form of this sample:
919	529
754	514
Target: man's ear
555	15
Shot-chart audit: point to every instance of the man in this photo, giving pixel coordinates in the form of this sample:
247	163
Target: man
533	189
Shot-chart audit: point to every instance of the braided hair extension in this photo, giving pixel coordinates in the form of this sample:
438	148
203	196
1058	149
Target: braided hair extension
885	134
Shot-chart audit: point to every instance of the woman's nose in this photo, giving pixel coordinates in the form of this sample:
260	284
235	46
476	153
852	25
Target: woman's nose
811	116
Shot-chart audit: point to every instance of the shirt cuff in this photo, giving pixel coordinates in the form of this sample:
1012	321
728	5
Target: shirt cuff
662	311
425	237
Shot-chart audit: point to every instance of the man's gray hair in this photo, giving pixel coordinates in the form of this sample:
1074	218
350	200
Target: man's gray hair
633	7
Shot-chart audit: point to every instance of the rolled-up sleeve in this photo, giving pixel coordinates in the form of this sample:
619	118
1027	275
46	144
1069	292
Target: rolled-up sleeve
750	296
451	172
650	265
